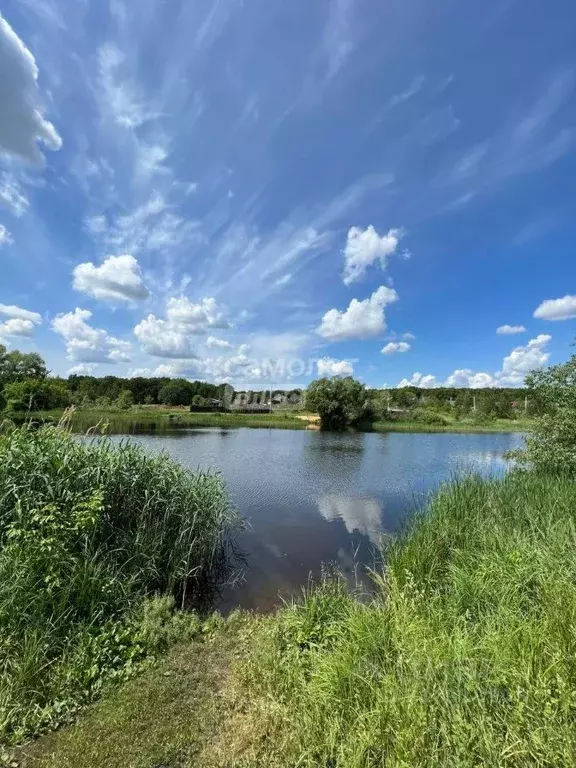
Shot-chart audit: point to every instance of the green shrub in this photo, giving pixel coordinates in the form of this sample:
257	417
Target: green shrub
36	395
431	418
89	531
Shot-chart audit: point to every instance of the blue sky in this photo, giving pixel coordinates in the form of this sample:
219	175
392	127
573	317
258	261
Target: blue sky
194	188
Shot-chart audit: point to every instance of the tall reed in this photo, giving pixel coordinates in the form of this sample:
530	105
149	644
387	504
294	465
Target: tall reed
88	531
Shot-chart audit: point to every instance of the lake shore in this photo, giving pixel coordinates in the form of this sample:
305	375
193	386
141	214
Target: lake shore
462	651
142	419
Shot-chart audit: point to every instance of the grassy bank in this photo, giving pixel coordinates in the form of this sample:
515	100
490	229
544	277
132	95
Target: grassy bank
90	536
497	425
463	657
124	422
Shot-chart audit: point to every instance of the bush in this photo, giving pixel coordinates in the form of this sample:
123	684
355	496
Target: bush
36	395
427	417
87	532
551	448
124	401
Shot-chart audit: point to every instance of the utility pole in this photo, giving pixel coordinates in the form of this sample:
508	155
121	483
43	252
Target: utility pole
525	403
474	403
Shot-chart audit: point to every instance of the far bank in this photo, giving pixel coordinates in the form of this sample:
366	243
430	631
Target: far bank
143	420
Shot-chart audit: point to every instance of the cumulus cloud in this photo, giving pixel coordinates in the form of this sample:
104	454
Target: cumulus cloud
425	381
5	236
330	367
118	278
510	330
10	310
162	338
361	320
557	309
515	366
196	317
85	344
213	343
16	327
364	247
395	346
464	377
82	369
22	124
524	359
171	337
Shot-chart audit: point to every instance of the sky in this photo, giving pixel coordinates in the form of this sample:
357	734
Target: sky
261	191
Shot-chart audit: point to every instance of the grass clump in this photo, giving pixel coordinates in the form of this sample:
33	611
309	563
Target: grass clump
464	657
97	545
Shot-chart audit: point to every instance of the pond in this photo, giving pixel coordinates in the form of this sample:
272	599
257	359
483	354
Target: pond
313	497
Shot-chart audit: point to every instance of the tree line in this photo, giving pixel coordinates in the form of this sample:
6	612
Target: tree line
25	384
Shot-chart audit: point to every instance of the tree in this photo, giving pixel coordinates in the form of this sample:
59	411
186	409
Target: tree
16	366
198	400
36	395
551	447
175	392
338	401
124	401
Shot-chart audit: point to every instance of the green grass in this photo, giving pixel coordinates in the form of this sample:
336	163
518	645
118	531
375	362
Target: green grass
122	422
89	534
165	717
465	656
498	425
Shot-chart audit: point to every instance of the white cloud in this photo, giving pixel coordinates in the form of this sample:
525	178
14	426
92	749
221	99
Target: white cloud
522	360
364	247
21	122
419	380
515	366
361	320
11	195
395	346
161	338
85	344
196	317
329	367
213	343
509	330
120	99
172	337
118	278
557	309
82	369
152	225
5	236
467	378
96	225
16	327
9	310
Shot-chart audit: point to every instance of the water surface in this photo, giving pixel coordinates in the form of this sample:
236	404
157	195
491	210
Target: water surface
313	497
